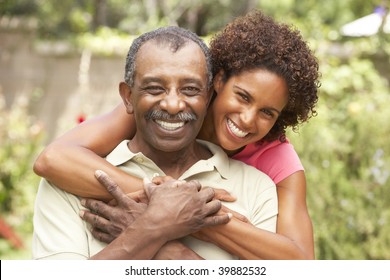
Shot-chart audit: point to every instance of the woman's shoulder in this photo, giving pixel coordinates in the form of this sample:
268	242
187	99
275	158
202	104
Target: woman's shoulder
273	149
276	159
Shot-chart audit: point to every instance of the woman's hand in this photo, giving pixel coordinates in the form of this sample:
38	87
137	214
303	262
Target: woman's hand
219	194
206	233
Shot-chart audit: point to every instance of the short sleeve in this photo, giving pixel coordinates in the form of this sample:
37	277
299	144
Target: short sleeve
279	162
276	159
59	233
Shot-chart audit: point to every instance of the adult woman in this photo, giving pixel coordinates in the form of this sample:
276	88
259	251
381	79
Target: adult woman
265	81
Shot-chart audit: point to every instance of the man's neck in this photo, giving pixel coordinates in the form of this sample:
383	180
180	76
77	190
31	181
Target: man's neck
173	163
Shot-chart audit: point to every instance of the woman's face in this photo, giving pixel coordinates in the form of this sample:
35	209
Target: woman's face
247	106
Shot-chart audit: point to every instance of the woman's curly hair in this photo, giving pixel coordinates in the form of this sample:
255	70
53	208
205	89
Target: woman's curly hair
256	41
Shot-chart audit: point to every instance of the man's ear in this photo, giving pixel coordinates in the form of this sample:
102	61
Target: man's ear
125	92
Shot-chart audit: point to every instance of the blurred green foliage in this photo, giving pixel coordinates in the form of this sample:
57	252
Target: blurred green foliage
346	155
58	18
344	149
21	138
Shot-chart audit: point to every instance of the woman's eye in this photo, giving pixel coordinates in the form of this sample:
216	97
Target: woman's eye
268	113
244	97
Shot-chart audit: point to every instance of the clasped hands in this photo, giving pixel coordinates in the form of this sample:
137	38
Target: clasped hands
180	207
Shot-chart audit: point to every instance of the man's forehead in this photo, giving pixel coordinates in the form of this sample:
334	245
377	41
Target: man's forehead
188	62
162	46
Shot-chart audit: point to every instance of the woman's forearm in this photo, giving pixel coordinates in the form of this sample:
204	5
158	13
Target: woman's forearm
70	161
72	169
257	244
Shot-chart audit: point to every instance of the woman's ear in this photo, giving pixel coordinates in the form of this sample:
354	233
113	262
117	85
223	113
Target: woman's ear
219	81
125	92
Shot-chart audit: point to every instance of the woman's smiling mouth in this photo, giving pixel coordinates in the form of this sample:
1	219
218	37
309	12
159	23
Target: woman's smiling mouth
235	130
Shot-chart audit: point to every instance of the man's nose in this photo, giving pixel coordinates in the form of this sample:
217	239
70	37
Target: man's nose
172	103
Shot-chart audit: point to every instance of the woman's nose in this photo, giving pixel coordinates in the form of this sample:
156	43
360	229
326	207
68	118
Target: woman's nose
248	117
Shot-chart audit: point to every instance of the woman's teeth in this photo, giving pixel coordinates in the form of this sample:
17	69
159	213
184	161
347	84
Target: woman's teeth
235	130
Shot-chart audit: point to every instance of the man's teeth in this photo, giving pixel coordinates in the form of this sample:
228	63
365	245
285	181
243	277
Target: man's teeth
236	131
169	125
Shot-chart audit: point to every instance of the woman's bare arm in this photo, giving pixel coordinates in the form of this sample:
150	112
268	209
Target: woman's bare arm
294	220
70	161
294	237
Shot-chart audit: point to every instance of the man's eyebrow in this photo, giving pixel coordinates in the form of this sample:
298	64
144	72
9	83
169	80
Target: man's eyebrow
150	80
193	80
199	82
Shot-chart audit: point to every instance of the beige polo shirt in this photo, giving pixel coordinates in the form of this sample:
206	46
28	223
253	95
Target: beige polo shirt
59	232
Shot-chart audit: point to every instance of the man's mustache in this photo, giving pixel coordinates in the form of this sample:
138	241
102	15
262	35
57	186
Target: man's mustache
163	115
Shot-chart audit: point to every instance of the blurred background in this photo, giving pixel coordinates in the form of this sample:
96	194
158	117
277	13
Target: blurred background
61	62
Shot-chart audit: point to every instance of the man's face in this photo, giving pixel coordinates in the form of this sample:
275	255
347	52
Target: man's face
169	97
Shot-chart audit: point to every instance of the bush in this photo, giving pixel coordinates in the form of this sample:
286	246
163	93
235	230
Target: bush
21	138
346	155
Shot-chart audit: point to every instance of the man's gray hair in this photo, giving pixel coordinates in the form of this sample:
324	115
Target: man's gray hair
176	38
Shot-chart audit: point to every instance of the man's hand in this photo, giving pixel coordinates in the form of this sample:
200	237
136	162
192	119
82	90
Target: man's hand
108	221
181	208
177	208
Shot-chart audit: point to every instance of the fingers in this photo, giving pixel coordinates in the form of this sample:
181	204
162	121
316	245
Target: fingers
137	195
112	187
102	236
98	207
97	222
212	207
214	219
194	184
223	195
207	194
158	180
217	220
235	214
148	185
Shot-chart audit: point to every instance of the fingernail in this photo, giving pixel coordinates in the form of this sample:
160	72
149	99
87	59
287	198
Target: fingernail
82	201
81	213
98	173
230	215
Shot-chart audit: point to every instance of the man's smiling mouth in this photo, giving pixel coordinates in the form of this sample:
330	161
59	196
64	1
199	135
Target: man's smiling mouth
170	125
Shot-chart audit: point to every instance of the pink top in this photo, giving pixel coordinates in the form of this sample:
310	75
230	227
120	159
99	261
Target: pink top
276	159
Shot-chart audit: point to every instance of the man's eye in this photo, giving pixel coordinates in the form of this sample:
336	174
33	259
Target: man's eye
154	90
190	90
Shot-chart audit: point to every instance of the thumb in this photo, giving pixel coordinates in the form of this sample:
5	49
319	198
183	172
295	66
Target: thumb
148	186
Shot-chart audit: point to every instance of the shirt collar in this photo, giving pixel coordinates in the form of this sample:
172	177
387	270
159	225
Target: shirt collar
219	160
120	154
